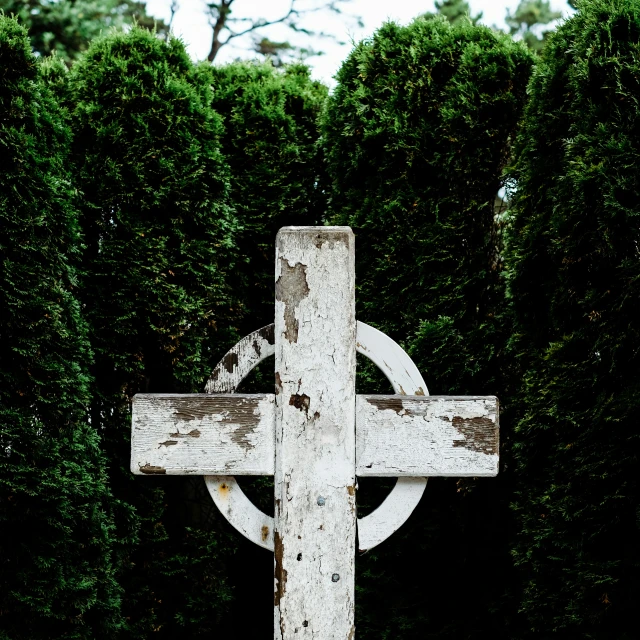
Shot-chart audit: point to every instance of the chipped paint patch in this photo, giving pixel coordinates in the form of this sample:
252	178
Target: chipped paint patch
479	434
152	469
291	289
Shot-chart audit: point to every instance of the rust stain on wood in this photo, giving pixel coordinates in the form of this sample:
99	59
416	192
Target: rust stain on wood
264	532
480	434
153	470
291	288
280	571
168	443
351	490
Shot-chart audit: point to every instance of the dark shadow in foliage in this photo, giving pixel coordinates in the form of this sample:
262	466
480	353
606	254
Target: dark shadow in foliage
416	136
574	273
158	231
58	539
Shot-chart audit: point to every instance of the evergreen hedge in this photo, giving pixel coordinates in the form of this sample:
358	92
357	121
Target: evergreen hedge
159	236
416	136
270	139
574	285
57	542
271	131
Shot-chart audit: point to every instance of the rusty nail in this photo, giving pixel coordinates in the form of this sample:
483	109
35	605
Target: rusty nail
335	577
321	501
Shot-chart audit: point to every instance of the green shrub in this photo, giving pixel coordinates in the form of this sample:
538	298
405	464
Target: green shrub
56	547
158	231
574	285
416	136
271	131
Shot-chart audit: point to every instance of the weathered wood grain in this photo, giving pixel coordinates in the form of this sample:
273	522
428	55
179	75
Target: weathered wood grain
241	513
427	436
401	436
315	521
406	379
203	434
238	362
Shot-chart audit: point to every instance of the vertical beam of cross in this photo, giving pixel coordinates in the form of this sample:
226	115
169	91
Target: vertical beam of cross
315	517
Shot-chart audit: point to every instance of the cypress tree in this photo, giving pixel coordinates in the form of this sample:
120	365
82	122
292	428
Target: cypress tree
271	132
158	231
416	135
574	274
56	546
270	139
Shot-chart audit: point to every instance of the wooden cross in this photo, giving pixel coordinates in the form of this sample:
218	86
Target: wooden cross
315	435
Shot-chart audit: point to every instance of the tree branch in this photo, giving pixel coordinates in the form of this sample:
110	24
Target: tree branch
222	23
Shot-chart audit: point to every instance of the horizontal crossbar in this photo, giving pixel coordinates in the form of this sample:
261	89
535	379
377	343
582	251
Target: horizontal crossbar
233	434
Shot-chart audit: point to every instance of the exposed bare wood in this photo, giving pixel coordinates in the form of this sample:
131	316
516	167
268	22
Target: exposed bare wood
202	434
432	436
315	521
306	434
238	362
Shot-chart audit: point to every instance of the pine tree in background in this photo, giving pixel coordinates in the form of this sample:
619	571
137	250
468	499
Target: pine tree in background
56	547
67	27
158	232
526	20
271	131
416	136
574	274
456	11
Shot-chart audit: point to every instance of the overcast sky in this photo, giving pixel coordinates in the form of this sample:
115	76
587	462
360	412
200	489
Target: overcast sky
191	24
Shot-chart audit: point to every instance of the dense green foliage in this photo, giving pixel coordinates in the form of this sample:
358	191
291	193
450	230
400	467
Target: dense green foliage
416	136
574	285
158	232
271	130
270	135
56	545
68	26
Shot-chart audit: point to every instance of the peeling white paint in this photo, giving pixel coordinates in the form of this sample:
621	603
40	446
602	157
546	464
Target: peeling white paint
315	522
435	436
306	435
202	434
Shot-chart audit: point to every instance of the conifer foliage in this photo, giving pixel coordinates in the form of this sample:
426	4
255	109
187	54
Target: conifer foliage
574	269
416	136
158	232
56	547
271	131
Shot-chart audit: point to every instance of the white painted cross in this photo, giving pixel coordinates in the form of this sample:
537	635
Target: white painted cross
315	435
